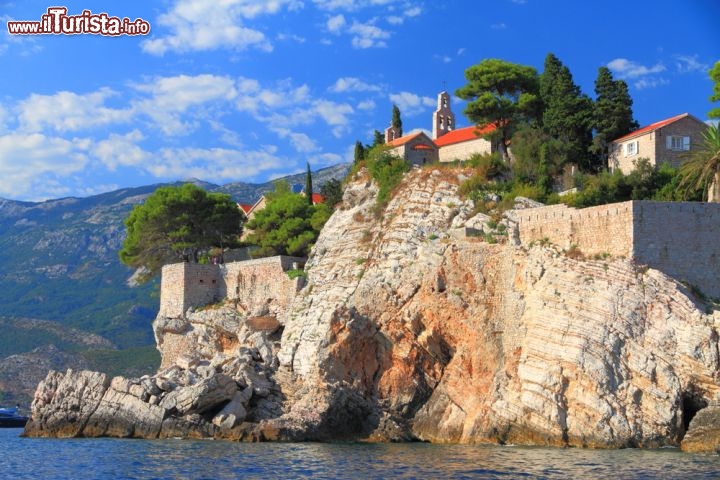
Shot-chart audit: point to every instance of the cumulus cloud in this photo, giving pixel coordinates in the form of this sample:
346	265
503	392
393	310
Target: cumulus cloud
171	97
216	163
625	68
367	35
198	25
68	111
121	150
31	162
353	84
410	103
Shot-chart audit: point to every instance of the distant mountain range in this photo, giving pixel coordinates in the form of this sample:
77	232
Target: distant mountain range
59	263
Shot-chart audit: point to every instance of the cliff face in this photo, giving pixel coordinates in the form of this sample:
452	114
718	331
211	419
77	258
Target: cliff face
409	329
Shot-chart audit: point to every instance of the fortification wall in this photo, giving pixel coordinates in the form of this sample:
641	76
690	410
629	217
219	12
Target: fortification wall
259	287
681	240
262	287
594	230
677	238
184	285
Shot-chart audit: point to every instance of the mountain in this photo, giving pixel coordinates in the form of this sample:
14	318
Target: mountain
59	263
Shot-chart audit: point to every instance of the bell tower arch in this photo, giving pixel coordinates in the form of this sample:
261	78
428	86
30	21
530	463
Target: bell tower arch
443	117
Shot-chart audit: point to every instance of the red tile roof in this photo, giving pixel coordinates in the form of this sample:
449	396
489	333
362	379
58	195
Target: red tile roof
402	140
245	207
463	134
317	198
652	127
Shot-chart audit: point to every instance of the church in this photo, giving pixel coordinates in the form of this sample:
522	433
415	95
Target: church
447	143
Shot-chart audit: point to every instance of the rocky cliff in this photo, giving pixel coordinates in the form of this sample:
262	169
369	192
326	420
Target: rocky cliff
412	326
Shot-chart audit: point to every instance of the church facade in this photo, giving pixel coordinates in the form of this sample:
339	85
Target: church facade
447	143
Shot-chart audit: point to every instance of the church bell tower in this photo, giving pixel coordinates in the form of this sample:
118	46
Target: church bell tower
443	118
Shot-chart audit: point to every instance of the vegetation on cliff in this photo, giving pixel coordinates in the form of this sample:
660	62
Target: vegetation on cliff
288	225
178	223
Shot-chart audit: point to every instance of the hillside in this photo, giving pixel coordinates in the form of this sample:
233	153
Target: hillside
60	264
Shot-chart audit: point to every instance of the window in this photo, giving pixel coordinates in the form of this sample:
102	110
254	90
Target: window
677	142
631	148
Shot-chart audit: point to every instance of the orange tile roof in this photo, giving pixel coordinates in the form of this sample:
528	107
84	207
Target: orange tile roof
402	140
463	134
245	207
652	127
317	198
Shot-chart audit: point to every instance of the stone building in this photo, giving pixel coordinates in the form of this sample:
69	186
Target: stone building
447	143
666	141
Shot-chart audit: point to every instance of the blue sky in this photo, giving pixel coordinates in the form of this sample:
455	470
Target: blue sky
246	90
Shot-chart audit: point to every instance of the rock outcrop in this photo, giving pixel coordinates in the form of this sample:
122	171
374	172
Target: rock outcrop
413	326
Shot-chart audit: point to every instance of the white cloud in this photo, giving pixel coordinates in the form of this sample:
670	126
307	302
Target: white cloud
30	163
625	68
121	150
366	105
689	63
216	163
67	111
254	98
353	84
367	35
336	24
300	141
650	82
198	25
171	97
411	104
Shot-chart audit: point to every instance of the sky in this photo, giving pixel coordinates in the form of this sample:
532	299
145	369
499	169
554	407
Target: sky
250	90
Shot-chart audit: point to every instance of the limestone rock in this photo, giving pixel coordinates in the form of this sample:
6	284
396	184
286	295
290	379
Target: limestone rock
703	436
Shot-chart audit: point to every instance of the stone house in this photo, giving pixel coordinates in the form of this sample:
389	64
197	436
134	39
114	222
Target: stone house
666	141
447	143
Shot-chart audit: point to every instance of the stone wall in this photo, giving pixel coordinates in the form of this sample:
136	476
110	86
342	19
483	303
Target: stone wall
255	285
594	230
464	150
681	240
677	238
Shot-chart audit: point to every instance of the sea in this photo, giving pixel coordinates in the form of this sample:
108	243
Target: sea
106	458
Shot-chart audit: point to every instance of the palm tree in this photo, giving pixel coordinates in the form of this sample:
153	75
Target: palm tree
702	170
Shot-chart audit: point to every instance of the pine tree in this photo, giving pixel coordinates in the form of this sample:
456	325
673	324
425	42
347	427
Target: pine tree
308	185
567	114
503	94
613	116
396	121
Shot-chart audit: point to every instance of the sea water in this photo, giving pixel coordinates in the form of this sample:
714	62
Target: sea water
28	458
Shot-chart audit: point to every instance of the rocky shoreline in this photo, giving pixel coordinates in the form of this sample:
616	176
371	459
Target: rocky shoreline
411	327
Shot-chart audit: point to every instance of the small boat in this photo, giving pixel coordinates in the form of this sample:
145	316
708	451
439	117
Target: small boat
10	418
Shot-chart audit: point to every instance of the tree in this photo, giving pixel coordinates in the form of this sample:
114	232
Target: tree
715	97
288	225
332	192
308	185
568	113
702	169
396	121
359	152
502	94
178	223
378	138
613	116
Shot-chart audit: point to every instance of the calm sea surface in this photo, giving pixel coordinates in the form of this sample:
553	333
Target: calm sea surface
23	458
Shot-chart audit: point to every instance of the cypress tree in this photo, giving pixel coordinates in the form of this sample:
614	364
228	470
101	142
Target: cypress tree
359	151
567	114
612	116
396	121
308	185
